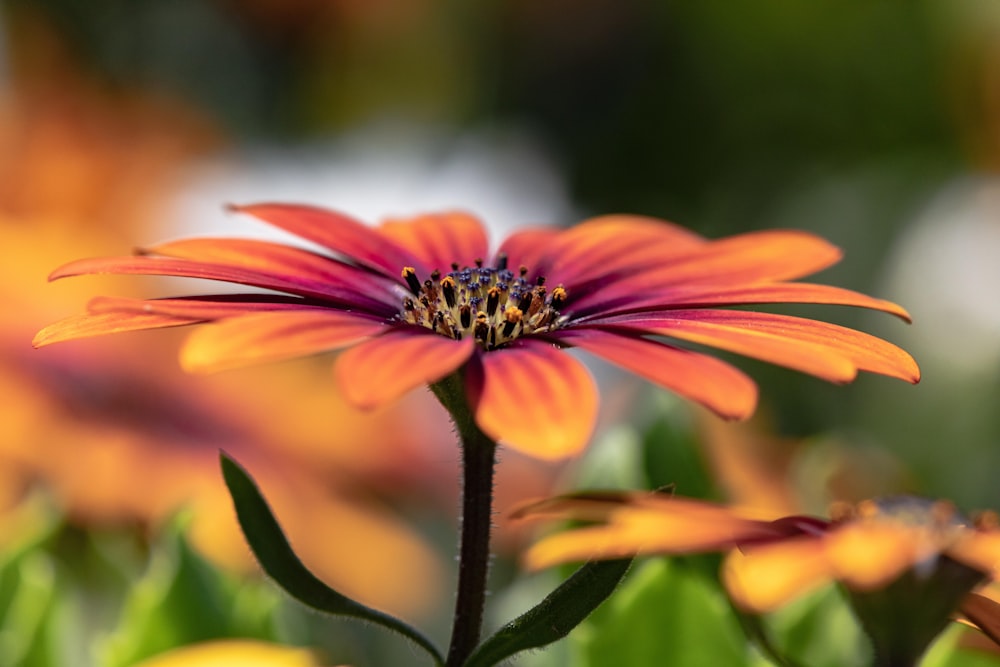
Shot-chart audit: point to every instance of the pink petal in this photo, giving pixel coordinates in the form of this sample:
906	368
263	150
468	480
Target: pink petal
613	243
534	398
825	350
284	260
439	239
732	262
700	378
335	231
201	309
603	303
405	357
528	247
291	284
274	336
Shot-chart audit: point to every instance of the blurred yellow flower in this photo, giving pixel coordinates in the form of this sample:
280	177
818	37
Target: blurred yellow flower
234	653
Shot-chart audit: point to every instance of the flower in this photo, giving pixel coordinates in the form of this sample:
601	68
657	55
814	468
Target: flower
414	300
243	652
870	547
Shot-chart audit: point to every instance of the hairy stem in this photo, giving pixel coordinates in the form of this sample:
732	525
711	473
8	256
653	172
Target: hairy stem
478	458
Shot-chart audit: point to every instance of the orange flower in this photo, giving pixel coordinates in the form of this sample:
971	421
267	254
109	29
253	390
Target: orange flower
867	547
415	301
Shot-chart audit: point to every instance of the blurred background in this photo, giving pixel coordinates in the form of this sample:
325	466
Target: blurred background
126	122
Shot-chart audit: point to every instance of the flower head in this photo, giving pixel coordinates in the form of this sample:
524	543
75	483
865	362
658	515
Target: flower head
886	552
416	300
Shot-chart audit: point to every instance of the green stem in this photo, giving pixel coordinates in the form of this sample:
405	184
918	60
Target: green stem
478	460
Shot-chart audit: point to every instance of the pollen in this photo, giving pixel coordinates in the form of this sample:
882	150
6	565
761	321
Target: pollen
491	304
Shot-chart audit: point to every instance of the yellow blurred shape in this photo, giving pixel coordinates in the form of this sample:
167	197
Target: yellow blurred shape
233	653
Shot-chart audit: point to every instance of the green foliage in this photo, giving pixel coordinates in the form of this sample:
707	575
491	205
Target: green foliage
279	561
555	616
668	610
181	599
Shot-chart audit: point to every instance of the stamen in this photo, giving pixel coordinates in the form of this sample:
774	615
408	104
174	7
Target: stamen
410	276
513	317
490	304
525	302
559	297
492	301
448	289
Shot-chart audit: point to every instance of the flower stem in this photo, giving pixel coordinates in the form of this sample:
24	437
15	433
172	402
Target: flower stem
478	460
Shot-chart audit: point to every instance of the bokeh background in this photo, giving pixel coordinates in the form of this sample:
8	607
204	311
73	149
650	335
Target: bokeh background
125	122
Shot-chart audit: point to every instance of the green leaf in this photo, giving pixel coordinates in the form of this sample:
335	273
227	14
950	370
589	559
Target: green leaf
553	618
818	630
666	614
275	554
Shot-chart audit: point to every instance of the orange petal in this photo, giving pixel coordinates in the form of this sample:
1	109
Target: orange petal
604	303
637	525
199	309
868	555
336	231
700	378
86	325
979	550
440	239
765	577
826	350
404	358
537	399
274	336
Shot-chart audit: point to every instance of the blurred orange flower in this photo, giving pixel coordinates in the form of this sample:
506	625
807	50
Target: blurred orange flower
865	546
116	435
417	301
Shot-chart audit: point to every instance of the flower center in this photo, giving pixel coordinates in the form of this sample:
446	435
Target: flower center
491	304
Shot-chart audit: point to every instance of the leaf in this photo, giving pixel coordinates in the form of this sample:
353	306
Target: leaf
667	614
275	554
553	618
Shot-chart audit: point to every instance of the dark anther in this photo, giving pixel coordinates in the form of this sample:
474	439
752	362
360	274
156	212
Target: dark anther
435	275
523	270
559	296
492	301
479	262
525	302
482	330
502	261
448	289
409	305
513	317
454	266
465	316
410	275
540	280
